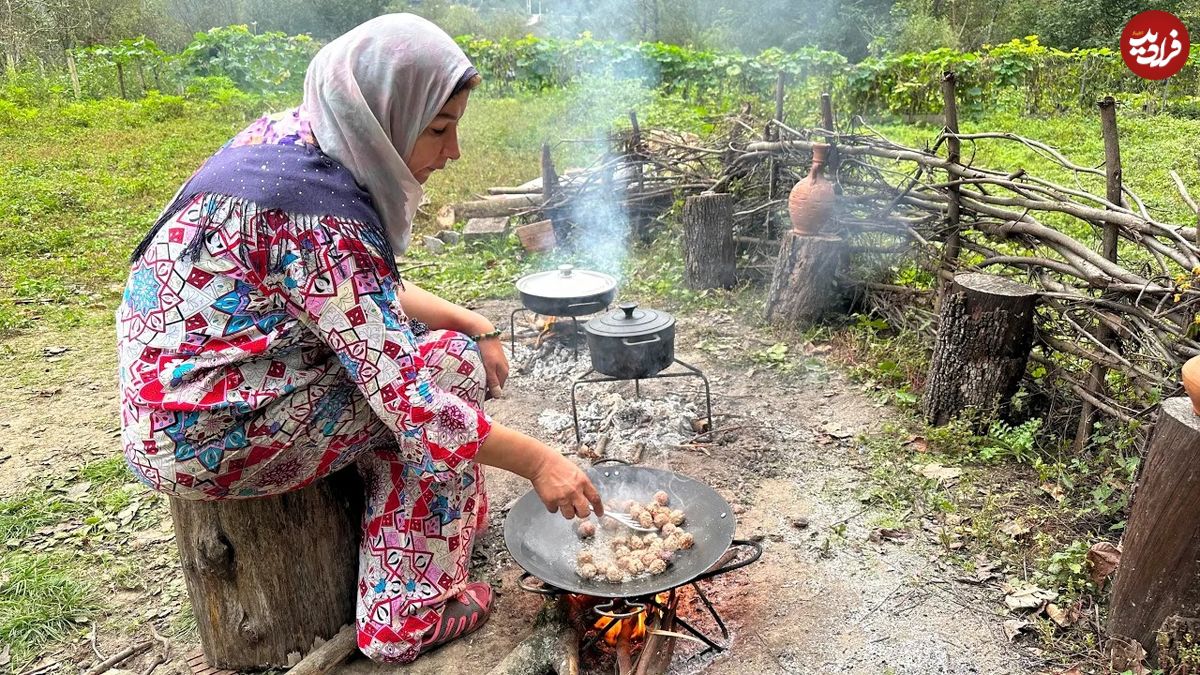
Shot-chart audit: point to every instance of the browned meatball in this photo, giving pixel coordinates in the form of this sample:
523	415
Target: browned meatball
646	519
677	518
658	567
636	510
636	543
614	574
648	557
686	540
662	498
588	571
586	529
661	520
668	529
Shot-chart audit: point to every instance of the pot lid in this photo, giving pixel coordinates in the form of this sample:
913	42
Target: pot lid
566	282
628	320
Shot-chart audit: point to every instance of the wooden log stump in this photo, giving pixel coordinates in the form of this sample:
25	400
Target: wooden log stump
552	647
804	283
270	576
708	249
1160	559
983	340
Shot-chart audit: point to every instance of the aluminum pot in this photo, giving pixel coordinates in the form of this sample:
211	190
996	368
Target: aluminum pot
630	343
567	291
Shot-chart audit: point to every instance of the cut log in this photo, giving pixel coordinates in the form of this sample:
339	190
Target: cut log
552	647
708	251
499	206
330	654
804	283
485	229
269	576
1160	558
983	340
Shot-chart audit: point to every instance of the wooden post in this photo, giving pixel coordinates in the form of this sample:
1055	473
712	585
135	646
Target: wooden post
804	284
709	257
983	340
553	646
121	80
769	134
269	576
74	74
1160	558
1104	334
953	155
550	194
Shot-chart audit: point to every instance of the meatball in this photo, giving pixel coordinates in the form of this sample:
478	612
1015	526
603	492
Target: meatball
671	543
636	543
666	556
656	545
648	558
618	541
620	551
636	510
586	529
661	520
646	519
662	498
650	539
610	524
584	557
588	571
658	567
677	517
669	528
635	566
614	574
686	540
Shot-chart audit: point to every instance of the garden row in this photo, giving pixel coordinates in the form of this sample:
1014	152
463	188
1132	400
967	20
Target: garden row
1021	75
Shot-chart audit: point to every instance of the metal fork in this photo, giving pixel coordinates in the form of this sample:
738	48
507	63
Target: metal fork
626	520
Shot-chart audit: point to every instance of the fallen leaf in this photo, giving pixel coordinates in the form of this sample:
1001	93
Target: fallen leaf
1103	559
1029	598
887	534
77	491
1013	628
919	443
1060	616
54	351
1126	654
1015	528
938	472
1054	490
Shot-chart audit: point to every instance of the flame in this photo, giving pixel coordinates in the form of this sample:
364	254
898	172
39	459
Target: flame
546	327
630	628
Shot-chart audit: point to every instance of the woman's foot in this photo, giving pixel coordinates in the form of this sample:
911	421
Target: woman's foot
462	615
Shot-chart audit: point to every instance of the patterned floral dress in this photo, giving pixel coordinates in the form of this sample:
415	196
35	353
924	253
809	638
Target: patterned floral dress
278	353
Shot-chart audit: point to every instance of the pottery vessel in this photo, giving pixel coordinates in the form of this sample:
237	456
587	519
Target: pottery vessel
812	199
1191	382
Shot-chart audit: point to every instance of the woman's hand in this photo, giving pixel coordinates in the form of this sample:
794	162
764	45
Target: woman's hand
495	364
565	488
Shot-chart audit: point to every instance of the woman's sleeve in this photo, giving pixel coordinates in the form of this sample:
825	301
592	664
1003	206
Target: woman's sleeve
346	293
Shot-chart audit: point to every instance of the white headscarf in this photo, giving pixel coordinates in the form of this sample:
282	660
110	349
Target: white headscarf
370	93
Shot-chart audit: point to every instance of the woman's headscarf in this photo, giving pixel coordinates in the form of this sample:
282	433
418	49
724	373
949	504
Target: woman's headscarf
370	93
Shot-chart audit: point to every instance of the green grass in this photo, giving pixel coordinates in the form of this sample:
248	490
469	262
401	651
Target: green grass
44	598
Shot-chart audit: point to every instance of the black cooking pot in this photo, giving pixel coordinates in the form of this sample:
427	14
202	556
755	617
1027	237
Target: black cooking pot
567	291
631	343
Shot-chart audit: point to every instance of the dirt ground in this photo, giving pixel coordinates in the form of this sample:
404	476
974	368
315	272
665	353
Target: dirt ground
824	598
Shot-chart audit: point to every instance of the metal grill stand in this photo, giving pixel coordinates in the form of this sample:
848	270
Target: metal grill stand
616	609
637	387
575	336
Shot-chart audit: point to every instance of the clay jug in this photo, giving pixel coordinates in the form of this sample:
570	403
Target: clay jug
1191	382
811	202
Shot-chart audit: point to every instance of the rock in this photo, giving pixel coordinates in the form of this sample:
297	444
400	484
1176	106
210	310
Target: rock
485	229
449	236
800	523
434	245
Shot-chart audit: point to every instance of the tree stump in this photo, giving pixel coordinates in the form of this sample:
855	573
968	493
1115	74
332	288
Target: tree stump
804	285
708	251
983	340
269	576
1160	558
